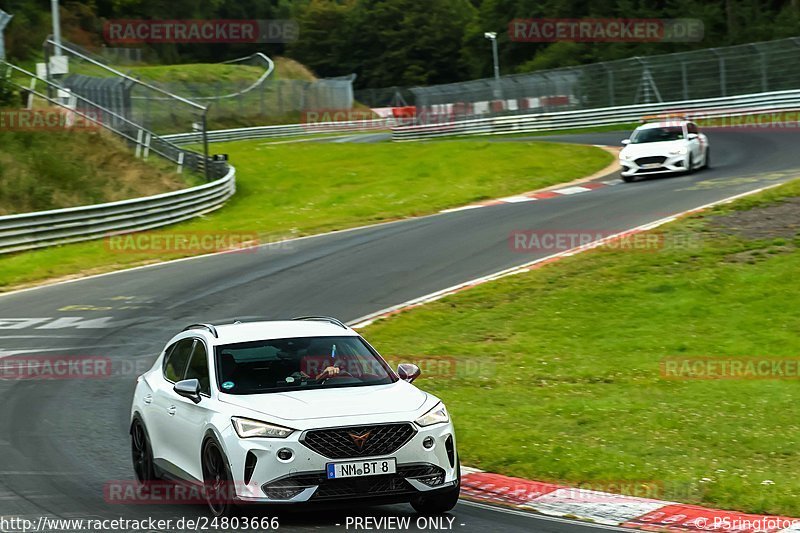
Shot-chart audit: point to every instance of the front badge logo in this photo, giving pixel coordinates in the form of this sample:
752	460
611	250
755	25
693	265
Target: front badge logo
359	440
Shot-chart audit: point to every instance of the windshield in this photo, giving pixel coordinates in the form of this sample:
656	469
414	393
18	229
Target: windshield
655	135
302	363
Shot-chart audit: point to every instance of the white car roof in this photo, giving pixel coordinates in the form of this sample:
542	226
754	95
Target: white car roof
662	124
278	329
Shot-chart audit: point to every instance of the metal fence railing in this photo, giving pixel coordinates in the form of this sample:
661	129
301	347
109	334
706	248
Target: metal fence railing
707	111
264	98
286	130
701	74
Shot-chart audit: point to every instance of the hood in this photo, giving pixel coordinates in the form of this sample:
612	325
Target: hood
653	149
397	397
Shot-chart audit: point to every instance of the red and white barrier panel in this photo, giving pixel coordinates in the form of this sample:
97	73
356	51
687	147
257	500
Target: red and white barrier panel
615	509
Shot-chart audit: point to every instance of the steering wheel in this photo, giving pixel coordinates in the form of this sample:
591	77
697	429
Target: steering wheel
341	374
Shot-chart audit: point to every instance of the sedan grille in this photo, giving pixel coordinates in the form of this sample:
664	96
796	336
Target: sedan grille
651	160
359	441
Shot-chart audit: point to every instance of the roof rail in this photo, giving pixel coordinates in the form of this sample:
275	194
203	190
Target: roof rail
209	327
334	321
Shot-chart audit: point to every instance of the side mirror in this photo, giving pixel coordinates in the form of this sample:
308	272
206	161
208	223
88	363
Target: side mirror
692	136
408	372
626	141
188	388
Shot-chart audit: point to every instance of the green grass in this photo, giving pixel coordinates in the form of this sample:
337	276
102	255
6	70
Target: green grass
570	388
300	189
50	170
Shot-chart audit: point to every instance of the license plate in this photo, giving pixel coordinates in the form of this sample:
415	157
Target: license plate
651	165
374	467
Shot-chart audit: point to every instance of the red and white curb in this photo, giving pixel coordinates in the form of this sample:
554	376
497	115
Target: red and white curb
366	320
533	196
613	509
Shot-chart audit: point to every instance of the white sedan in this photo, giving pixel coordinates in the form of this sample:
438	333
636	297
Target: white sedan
295	411
662	148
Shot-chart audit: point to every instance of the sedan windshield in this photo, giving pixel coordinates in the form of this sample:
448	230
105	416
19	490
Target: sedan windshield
655	135
302	363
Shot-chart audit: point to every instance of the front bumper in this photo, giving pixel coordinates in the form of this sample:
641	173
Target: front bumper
260	476
654	165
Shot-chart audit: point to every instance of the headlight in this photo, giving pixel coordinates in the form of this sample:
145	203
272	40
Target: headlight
624	156
437	415
679	151
247	428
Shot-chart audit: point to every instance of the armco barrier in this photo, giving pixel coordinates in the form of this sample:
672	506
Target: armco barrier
28	231
709	108
288	130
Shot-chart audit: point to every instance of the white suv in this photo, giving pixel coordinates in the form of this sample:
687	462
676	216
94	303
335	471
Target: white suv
293	411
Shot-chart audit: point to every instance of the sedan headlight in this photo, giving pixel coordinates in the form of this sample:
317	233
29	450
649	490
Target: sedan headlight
247	428
678	151
625	157
437	415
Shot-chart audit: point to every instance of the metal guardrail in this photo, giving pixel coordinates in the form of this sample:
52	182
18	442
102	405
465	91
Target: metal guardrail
288	130
29	231
696	109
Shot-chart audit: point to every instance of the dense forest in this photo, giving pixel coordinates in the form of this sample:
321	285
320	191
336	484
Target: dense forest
407	42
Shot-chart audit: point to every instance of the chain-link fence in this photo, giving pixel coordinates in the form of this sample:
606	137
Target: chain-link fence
385	97
80	82
708	73
262	100
269	101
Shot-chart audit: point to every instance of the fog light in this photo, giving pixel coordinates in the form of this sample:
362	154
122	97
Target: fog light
284	454
428	443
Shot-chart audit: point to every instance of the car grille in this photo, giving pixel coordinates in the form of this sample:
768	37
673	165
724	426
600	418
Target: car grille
377	486
339	443
650	160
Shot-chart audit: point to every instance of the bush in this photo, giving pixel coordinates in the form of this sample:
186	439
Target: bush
8	95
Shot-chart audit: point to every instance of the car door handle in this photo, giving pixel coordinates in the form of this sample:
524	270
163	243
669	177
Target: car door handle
148	399
171	410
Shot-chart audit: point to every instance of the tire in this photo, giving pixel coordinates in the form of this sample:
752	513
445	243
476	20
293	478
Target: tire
707	162
690	165
440	502
627	179
217	480
142	454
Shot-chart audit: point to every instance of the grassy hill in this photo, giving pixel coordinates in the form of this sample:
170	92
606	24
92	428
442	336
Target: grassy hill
50	170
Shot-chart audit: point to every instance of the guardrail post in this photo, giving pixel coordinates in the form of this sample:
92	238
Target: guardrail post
139	143
180	162
146	152
205	143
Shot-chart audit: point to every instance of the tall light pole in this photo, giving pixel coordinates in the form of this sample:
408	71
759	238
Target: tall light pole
492	36
56	26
